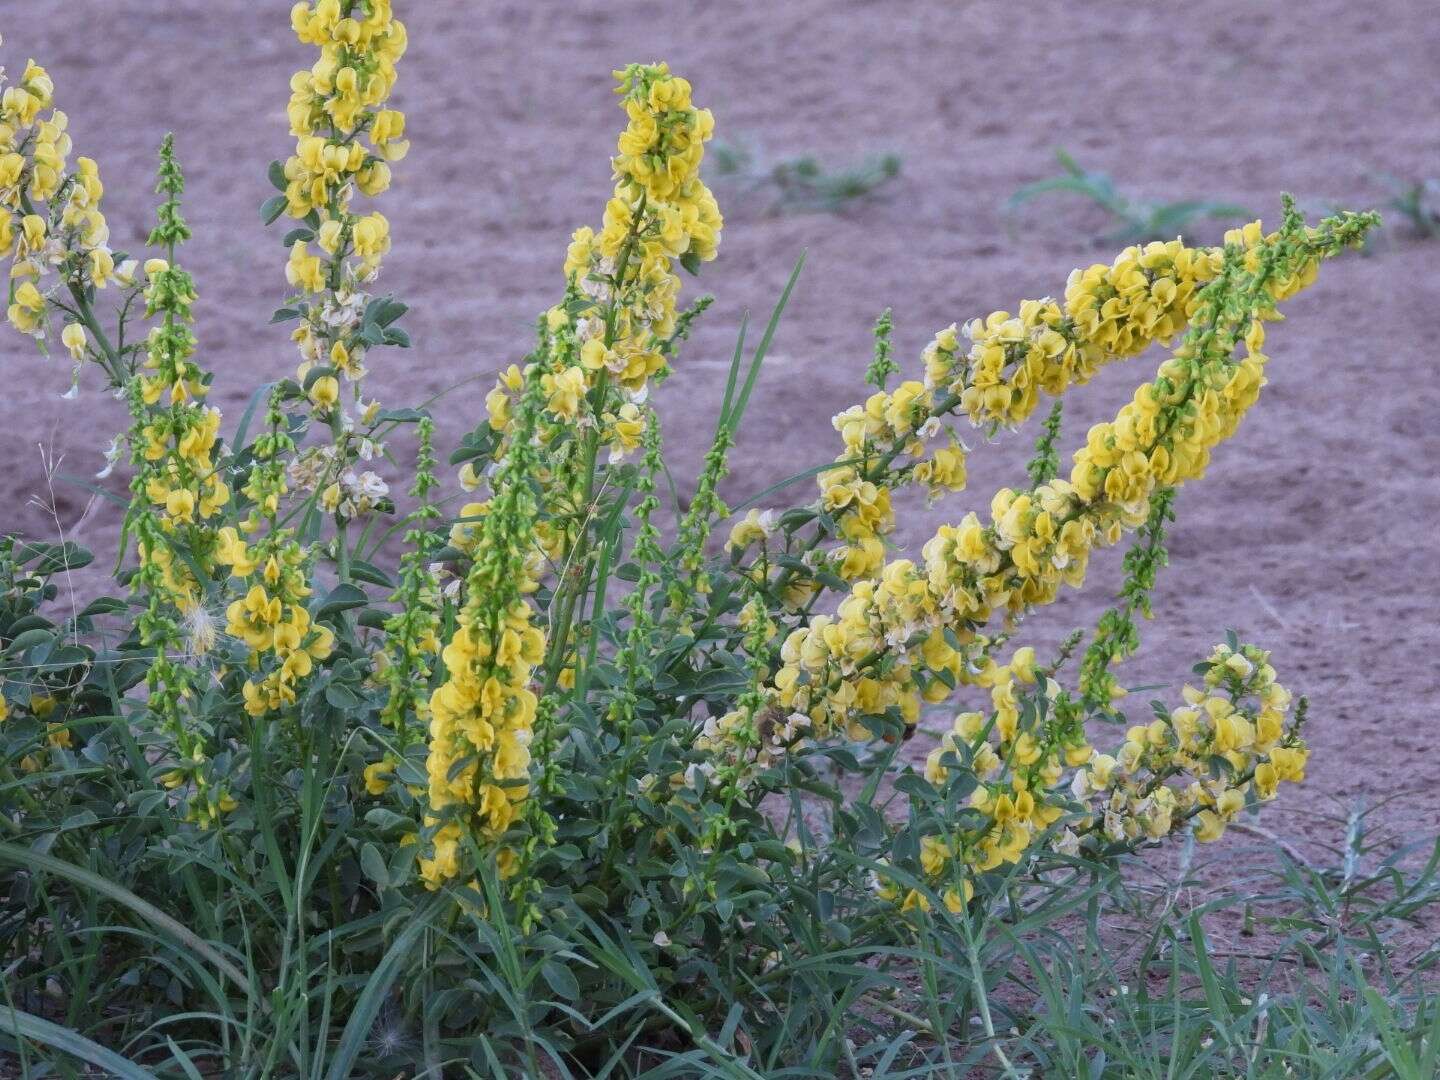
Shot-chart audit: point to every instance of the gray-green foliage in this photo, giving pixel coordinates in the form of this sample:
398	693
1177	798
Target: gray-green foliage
1133	219
801	183
1418	203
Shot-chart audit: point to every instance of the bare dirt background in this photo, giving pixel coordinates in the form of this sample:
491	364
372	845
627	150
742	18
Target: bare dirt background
1317	531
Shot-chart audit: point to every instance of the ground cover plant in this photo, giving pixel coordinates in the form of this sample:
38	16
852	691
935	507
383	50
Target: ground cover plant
1133	219
801	183
1417	203
574	787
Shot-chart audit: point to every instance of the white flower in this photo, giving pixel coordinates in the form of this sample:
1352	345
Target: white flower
112	455
371	486
1114	827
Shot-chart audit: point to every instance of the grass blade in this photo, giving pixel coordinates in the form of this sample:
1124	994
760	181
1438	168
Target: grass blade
34	860
27	1026
367	1005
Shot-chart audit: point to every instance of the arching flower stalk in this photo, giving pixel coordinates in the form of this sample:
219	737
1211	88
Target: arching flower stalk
893	639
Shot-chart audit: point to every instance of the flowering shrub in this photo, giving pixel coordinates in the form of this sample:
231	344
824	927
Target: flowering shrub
567	731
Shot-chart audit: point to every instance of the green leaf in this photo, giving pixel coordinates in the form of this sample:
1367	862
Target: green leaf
561	979
272	208
370	573
343	597
402	416
276	173
388	820
28	640
734	406
260	394
373	864
915	785
339	696
66	556
104	605
385	310
29	622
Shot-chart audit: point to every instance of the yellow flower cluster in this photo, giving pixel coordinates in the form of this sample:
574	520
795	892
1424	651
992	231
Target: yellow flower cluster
182	484
69	235
1162	779
333	106
611	336
271	618
1018	765
1238	717
873	654
661	212
1111	312
481	720
888	425
175	433
482	716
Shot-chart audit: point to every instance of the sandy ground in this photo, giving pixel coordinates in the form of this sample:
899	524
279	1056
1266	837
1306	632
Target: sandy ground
1317	531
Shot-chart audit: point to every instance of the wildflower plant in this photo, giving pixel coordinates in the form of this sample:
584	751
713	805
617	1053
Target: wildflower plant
582	763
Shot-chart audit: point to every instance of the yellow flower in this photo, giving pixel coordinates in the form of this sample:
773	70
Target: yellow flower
73	338
564	392
27	309
325	392
304	271
755	527
377	776
1209	826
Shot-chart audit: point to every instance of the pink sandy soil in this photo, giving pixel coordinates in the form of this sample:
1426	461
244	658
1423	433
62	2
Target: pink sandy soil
1317	530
